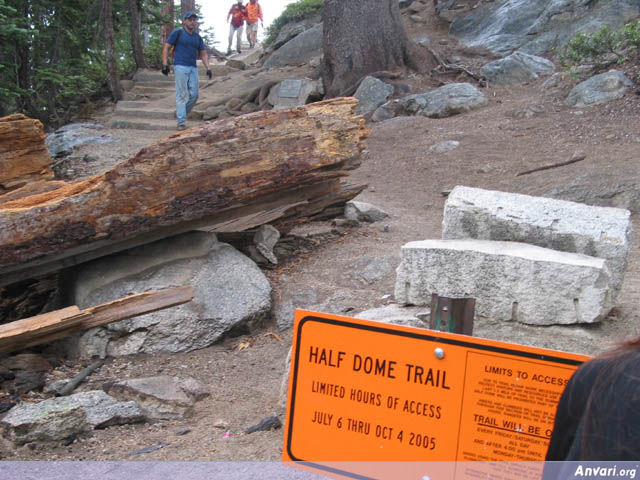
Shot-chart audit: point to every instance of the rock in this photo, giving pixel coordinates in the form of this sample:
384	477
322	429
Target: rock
363	212
64	140
60	418
46	421
397	315
295	92
517	68
161	397
370	270
451	99
211	113
473	213
288	301
27	362
538	26
371	93
265	239
443	147
300	49
600	189
56	387
291	30
599	89
26	382
509	280
232	293
104	411
269	423
236	64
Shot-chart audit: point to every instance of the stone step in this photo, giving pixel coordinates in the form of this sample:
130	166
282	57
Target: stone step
141	124
143	89
139	113
130	96
159	84
132	104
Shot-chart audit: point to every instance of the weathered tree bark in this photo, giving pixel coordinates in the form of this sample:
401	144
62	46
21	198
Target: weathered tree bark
109	41
362	37
23	155
134	27
277	166
168	11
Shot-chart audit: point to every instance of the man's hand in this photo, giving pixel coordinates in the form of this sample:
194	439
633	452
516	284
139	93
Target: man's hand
165	70
209	74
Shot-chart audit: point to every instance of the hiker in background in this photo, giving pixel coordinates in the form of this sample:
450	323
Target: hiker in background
598	416
187	47
254	13
238	13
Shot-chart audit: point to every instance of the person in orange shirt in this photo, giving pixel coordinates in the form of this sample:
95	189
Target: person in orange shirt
254	13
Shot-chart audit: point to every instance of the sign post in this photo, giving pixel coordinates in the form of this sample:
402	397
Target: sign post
365	391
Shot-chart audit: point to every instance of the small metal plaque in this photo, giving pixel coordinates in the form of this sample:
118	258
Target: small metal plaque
290	88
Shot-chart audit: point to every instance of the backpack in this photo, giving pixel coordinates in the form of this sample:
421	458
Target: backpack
173	50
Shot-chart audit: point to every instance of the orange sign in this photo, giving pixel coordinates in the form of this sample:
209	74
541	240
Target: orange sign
362	390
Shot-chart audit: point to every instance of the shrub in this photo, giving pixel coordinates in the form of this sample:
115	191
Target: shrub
602	46
292	13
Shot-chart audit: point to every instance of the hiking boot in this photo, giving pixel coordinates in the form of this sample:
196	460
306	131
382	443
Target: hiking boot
182	127
239	51
229	51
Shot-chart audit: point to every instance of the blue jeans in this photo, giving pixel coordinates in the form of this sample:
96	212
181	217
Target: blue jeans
186	90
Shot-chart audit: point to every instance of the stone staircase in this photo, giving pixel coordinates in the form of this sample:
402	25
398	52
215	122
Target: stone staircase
150	103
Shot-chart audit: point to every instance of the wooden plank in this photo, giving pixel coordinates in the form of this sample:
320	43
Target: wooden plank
62	323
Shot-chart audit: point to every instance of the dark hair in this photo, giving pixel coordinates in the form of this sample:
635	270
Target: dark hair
611	420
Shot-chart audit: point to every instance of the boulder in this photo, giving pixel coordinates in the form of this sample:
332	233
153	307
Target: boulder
509	280
300	49
474	213
57	419
161	397
517	68
232	293
448	100
538	26
364	212
599	89
64	140
371	93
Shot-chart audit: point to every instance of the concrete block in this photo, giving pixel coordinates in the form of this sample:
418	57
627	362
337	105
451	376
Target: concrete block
509	280
603	232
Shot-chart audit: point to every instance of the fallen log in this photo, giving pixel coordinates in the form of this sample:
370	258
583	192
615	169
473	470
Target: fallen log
58	324
271	166
24	158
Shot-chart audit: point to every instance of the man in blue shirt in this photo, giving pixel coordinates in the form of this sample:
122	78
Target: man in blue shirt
188	46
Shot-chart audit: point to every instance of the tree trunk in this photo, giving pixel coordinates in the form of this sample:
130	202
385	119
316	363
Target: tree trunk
276	166
169	12
362	37
134	25
110	50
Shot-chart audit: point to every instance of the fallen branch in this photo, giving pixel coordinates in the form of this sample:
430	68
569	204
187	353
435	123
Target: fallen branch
574	159
75	381
454	67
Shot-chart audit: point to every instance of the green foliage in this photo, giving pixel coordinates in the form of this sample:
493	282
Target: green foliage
603	47
292	13
52	53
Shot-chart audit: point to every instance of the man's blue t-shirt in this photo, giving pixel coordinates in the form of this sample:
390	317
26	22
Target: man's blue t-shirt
188	48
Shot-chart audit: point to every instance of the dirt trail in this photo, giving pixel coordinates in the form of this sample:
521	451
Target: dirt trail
496	143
